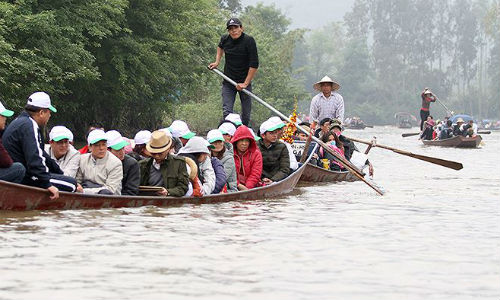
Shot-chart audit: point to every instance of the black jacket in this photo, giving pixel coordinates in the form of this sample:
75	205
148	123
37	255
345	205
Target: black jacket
241	54
131	176
275	160
23	140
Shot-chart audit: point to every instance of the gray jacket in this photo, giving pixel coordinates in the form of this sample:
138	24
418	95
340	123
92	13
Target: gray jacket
230	168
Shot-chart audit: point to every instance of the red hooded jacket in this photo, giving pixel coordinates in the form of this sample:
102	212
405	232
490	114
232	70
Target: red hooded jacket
249	164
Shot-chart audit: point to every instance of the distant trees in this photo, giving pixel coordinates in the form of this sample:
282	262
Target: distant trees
386	52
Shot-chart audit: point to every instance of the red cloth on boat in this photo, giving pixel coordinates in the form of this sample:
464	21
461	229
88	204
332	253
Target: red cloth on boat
248	164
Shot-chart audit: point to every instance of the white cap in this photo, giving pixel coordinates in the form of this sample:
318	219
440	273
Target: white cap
142	137
115	140
214	135
42	100
5	112
167	131
270	125
277	122
95	136
235	118
227	128
180	129
58	133
196	144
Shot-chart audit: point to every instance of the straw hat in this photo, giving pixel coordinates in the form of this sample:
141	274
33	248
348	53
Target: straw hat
326	79
193	169
460	120
427	91
159	142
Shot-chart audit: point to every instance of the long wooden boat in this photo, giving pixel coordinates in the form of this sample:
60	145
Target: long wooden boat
456	141
314	173
20	197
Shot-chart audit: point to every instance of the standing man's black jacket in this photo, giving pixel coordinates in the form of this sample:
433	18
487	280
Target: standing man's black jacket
23	140
241	54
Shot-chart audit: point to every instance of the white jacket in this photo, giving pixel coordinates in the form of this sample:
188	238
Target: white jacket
107	172
208	173
69	163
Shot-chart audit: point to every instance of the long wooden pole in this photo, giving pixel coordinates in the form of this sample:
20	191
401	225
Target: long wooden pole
350	167
438	161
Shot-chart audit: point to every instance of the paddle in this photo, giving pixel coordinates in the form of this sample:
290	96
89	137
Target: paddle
483	132
306	149
410	134
438	161
341	159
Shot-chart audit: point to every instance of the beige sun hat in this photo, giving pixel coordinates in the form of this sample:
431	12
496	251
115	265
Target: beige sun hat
159	142
326	79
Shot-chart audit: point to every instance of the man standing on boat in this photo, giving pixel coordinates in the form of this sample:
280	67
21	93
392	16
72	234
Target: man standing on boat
427	98
327	104
241	66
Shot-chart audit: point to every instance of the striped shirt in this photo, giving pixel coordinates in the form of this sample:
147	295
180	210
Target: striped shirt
327	107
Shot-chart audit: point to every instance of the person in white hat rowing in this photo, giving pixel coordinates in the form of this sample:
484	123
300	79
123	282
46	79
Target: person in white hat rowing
328	103
62	151
23	141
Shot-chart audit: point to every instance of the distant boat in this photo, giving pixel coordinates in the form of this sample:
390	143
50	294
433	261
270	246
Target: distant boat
456	141
404	119
355	123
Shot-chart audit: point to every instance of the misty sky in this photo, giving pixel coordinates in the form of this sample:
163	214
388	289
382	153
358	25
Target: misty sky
309	14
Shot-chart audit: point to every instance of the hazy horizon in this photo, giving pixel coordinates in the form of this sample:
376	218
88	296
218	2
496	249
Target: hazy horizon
305	15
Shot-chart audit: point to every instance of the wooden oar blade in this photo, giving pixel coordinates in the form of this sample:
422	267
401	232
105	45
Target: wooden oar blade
410	134
438	161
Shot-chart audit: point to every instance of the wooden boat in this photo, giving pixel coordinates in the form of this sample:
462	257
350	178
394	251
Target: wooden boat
20	197
404	119
314	173
359	126
456	141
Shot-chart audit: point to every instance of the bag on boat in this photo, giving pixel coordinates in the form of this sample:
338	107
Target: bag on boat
359	159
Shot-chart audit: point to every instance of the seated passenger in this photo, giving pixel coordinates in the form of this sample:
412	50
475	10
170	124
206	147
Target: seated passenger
223	151
446	131
294	165
228	130
85	149
131	175
299	135
9	171
351	152
469	129
275	157
23	141
247	158
62	151
331	138
324	127
164	169
180	129
428	129
100	171
141	138
457	128
220	176
197	149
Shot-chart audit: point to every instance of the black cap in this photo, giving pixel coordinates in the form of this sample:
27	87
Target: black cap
233	22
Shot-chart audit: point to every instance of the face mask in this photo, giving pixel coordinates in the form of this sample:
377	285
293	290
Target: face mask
337	133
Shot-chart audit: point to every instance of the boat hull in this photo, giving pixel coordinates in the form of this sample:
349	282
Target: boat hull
314	173
20	197
456	141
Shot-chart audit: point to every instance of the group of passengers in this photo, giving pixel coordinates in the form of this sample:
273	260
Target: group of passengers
330	133
441	130
231	158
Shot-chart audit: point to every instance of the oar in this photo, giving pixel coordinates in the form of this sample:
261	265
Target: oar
306	149
410	134
438	161
483	132
341	159
439	101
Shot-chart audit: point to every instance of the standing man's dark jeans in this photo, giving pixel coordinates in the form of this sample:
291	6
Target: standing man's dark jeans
229	96
423	117
14	173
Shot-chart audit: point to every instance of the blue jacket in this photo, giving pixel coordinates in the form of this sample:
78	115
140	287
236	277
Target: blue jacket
23	140
220	175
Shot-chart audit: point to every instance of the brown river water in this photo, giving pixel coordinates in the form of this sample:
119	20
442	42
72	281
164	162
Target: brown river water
435	234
